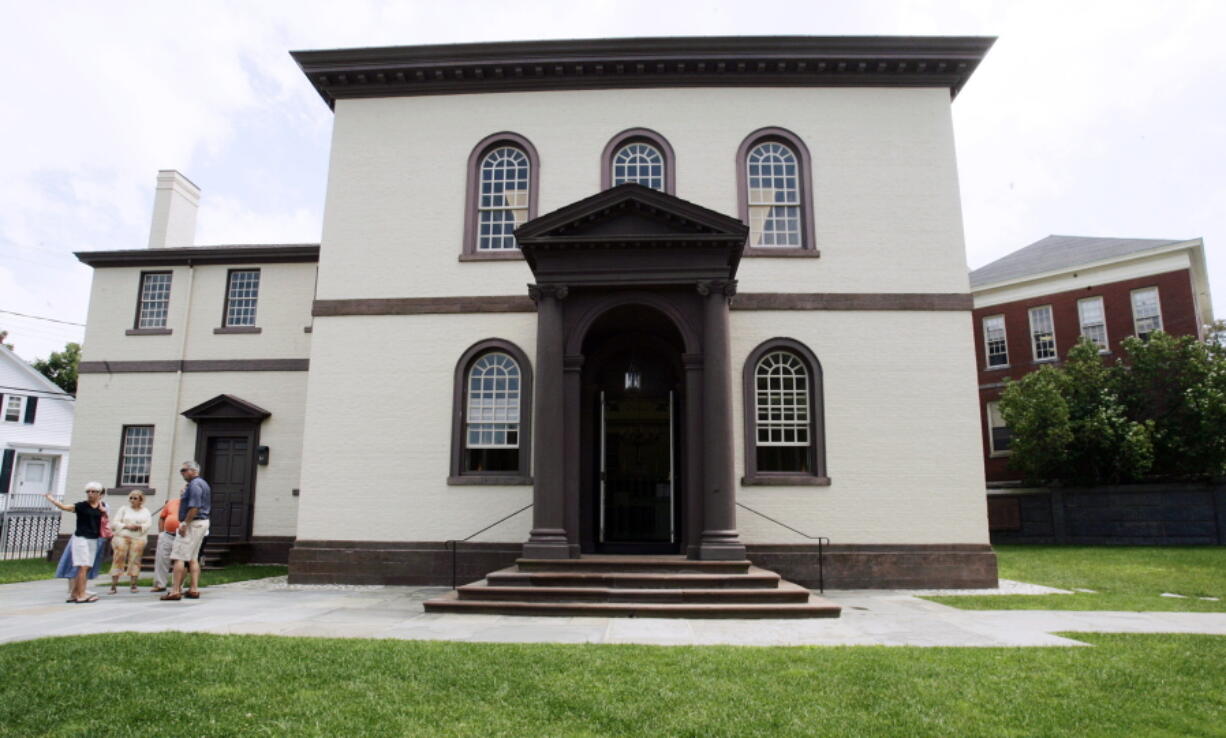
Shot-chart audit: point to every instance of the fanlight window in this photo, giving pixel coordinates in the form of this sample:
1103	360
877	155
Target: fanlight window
503	203
774	196
639	163
782	412
492	418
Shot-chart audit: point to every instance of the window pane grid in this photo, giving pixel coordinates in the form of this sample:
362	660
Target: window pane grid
1001	436
1093	323
12	408
1043	336
639	163
994	340
774	196
782	400
1146	313
493	402
503	202
241	297
137	455
154	300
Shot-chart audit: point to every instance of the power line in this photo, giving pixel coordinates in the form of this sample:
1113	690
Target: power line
39	317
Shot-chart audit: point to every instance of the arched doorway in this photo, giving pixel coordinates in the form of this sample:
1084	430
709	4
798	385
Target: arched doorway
632	465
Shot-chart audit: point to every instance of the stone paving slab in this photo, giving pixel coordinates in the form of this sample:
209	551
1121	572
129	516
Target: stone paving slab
31	610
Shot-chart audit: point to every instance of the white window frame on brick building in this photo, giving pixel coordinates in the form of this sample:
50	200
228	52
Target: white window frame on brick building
1146	313
1042	333
999	436
1093	321
995	346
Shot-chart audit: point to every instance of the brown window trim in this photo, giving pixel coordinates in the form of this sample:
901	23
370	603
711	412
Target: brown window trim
817	422
125	489
469	250
225	303
123	436
493	480
808	241
238	329
639	135
459	402
136	330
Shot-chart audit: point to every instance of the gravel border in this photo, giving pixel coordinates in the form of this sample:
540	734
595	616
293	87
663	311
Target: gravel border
1007	587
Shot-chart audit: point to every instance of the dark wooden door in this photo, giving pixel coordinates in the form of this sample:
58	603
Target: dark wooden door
227	469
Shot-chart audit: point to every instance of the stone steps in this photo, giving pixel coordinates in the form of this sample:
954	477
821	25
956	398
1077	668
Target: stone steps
761	579
635	586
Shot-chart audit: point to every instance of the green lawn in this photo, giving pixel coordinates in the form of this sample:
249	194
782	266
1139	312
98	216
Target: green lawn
30	570
1122	577
1150	685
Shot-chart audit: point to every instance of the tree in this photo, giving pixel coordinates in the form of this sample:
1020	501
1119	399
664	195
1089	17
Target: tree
3	336
1069	423
61	367
1159	411
1179	385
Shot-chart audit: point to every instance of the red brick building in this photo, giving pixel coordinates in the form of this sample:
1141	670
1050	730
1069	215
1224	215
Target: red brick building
1032	305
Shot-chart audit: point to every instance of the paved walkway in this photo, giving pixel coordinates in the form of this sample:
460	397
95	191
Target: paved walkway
870	617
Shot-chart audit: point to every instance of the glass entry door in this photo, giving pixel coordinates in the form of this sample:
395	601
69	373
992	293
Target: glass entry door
637	470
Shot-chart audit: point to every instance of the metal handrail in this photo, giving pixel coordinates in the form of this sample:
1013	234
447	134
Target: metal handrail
822	542
453	544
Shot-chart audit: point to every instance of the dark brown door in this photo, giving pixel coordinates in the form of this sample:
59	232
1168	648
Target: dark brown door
227	469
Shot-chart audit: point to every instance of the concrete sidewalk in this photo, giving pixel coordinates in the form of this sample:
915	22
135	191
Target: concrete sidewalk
271	607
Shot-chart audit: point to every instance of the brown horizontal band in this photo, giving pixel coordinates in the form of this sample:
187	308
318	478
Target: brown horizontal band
200	365
424	305
743	301
853	301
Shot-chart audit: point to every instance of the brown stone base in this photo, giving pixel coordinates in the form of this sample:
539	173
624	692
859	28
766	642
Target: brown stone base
411	563
932	566
880	566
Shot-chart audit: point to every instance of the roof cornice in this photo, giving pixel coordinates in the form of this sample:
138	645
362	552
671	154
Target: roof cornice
717	61
1195	245
197	255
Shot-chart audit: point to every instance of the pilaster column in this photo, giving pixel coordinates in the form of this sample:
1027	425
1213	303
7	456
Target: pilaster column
548	537
693	454
719	541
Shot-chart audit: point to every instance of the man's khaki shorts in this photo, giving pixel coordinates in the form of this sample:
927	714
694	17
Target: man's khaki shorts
187	547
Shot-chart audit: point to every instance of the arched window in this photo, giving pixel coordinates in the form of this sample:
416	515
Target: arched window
784	441
640	163
638	155
492	431
773	182
502	184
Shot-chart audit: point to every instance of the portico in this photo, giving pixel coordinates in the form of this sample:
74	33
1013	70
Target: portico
629	281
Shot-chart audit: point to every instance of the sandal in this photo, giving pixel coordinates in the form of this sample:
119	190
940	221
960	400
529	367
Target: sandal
87	600
133	588
158	589
113	590
170	597
192	595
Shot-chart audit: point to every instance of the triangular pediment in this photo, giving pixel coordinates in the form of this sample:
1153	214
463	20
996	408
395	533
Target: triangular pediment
628	231
630	211
226	407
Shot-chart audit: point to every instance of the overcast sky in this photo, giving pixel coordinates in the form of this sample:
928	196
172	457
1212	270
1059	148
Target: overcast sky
1087	118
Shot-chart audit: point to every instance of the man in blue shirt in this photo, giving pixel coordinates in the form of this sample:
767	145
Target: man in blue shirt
194	506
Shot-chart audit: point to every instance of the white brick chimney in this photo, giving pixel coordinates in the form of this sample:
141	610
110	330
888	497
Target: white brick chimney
174	211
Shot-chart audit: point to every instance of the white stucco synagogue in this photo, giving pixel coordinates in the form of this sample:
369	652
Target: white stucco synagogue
694	297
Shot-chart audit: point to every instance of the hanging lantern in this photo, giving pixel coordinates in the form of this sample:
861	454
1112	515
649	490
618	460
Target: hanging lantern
634	377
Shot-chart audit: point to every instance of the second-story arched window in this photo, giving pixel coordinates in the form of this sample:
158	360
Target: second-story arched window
638	155
503	202
773	182
640	163
502	183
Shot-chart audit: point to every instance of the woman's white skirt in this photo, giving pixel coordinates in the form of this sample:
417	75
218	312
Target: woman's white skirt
83	550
